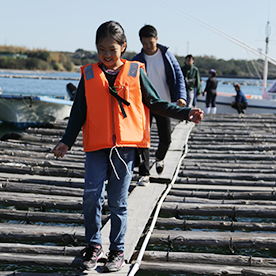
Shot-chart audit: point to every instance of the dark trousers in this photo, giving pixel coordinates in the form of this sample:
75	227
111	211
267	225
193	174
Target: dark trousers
164	134
239	106
211	99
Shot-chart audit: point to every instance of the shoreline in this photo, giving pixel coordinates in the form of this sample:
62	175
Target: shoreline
53	72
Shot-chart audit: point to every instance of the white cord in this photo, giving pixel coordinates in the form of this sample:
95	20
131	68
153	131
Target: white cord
138	261
111	162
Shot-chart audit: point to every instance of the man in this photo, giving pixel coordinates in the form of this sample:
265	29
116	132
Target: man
240	102
165	74
192	80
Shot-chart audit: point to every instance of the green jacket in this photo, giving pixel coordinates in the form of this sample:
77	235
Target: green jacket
192	78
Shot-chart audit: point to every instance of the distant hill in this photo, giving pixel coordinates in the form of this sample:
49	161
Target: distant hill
12	57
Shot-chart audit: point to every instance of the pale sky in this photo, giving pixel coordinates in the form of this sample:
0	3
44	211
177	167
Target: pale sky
66	25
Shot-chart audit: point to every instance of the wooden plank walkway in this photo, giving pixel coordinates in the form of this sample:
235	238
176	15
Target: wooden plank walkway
42	183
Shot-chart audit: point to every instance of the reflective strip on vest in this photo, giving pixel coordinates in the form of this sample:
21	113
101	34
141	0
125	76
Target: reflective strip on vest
133	70
89	72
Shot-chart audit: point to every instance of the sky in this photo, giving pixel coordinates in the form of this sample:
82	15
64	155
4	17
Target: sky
67	25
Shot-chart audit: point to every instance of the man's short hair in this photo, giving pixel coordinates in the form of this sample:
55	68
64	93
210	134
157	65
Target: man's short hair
147	31
236	84
189	56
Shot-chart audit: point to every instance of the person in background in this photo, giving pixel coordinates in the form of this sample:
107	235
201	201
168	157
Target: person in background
165	74
192	80
112	106
240	102
211	91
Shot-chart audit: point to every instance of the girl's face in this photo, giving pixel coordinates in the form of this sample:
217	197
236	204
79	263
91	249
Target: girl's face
109	52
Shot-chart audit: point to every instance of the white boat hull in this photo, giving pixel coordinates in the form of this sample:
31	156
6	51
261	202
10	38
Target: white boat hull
255	104
25	111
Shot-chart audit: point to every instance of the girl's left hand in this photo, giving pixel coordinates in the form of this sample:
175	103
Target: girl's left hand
196	115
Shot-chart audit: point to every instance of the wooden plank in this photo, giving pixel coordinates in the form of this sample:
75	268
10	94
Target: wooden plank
141	202
174	153
99	270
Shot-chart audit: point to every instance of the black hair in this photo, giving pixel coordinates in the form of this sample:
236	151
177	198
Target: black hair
189	56
113	29
147	31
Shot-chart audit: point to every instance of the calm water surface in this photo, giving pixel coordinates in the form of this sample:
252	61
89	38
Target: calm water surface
57	87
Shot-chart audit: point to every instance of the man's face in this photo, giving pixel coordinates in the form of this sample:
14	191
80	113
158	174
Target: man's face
189	61
237	88
149	45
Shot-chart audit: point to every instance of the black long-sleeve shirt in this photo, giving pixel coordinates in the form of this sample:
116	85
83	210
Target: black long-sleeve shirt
211	85
150	98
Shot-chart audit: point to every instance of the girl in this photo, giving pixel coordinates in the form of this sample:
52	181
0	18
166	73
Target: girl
112	107
211	90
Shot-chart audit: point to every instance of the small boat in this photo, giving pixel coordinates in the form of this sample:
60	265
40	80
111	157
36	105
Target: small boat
256	104
24	111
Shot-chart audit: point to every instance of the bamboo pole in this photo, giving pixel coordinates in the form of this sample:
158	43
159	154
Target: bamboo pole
214	239
218	210
187	224
224	195
208	258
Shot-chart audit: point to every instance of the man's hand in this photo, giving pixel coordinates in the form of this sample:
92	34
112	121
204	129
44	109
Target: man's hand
181	102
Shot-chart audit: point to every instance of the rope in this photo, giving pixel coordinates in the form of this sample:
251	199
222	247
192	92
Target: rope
111	162
170	243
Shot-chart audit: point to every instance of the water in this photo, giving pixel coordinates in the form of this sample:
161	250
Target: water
58	87
26	86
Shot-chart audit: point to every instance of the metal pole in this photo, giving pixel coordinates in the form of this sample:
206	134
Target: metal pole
268	28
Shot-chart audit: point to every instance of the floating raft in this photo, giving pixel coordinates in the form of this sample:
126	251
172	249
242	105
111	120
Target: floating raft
218	218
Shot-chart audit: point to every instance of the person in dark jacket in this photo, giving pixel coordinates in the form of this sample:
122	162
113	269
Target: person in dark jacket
240	102
165	74
211	90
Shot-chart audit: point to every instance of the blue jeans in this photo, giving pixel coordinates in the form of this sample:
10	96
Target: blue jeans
98	169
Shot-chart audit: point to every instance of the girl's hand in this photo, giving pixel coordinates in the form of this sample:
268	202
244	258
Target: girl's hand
60	149
196	115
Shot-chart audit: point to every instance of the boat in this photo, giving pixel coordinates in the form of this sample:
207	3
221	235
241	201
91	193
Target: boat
256	103
24	111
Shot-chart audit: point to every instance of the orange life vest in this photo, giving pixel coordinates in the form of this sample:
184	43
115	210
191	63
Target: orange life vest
110	122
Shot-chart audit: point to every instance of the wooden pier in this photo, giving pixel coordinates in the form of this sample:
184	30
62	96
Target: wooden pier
219	217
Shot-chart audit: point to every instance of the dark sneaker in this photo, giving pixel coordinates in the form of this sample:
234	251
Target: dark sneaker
92	255
159	166
115	261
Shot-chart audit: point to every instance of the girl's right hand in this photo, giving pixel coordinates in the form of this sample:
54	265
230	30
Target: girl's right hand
60	149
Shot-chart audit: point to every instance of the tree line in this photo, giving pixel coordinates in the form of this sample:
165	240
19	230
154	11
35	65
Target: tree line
22	58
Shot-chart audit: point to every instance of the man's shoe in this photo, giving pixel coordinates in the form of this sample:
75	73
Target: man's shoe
143	180
92	255
159	166
115	261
